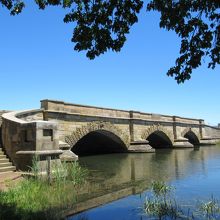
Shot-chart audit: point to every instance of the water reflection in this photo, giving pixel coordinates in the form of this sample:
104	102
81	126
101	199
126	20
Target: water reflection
117	176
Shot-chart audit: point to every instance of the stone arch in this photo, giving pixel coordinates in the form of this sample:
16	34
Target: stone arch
157	127
82	131
192	130
192	135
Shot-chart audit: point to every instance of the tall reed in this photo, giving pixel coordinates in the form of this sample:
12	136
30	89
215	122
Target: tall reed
162	204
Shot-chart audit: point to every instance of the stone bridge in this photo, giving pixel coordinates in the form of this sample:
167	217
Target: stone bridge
59	128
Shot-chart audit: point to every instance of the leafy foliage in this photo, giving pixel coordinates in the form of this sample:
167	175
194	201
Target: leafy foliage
197	23
102	25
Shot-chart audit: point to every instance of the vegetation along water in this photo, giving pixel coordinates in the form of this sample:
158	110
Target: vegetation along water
120	184
37	198
124	186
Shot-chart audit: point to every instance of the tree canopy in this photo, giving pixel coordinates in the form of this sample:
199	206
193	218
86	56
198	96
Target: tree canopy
102	25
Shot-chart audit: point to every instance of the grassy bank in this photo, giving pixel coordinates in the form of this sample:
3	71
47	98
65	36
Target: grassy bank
35	198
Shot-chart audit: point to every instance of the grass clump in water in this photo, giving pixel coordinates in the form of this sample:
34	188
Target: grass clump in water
35	198
162	205
210	210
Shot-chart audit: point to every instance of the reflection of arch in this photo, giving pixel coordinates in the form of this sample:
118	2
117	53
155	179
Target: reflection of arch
158	136
94	134
192	135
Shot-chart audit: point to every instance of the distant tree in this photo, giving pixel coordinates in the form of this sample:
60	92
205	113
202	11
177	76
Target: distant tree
101	25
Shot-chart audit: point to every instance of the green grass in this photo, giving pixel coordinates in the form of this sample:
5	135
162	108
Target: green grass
160	189
218	143
35	198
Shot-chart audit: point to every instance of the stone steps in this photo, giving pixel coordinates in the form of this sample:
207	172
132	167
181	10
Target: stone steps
7	169
5	165
4	160
2	156
9	179
5	173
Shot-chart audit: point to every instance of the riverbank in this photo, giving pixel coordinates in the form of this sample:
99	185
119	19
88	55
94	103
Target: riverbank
9	179
36	198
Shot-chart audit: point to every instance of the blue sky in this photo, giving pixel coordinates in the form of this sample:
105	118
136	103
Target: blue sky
37	61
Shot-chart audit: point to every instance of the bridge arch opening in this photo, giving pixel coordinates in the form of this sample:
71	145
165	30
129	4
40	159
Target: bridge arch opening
99	142
158	139
193	139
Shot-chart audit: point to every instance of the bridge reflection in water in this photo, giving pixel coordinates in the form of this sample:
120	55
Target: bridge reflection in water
114	176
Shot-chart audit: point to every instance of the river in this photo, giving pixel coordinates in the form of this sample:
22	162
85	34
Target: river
118	183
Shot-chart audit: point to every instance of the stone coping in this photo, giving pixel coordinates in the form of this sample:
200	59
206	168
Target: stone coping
25	113
213	127
207	138
139	142
4	111
42	152
13	116
180	139
112	109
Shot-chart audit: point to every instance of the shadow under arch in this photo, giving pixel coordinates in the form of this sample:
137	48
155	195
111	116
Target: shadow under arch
158	139
99	142
192	137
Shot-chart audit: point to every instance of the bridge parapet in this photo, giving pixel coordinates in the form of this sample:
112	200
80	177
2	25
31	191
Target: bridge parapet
22	140
85	110
212	131
30	116
59	106
1	113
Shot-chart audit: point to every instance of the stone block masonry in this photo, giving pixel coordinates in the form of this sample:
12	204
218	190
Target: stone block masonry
84	129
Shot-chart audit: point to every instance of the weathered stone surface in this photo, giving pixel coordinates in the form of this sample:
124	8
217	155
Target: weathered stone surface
208	141
94	126
67	155
140	146
158	127
182	143
42	130
19	135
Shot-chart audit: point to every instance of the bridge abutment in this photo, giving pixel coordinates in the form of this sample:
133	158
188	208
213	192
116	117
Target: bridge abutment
182	142
26	139
208	141
141	146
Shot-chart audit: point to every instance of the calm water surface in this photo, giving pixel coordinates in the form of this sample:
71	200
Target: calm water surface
118	183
